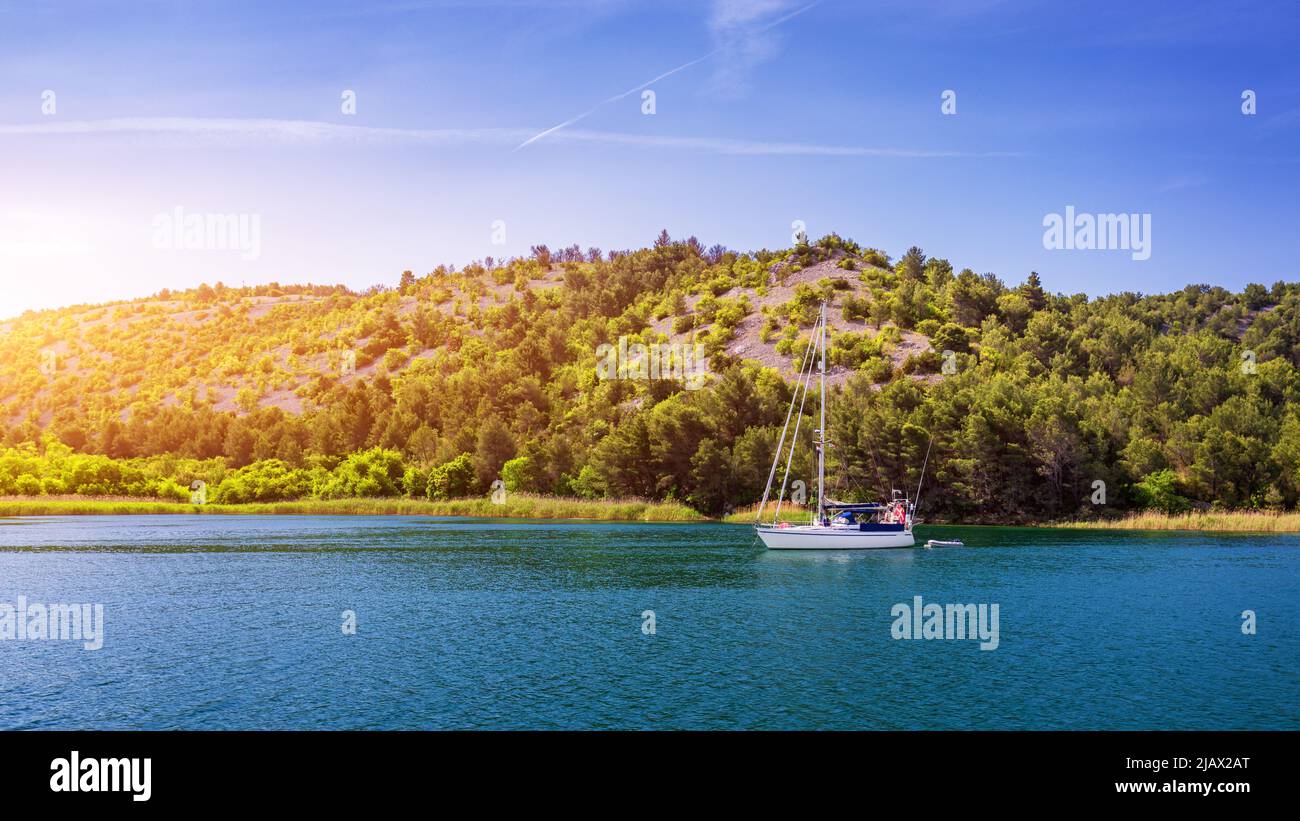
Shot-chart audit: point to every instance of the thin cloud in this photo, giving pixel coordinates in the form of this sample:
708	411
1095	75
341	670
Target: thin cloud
730	17
742	33
714	145
267	130
298	132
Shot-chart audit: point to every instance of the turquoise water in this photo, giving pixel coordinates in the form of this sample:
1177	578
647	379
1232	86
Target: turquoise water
219	622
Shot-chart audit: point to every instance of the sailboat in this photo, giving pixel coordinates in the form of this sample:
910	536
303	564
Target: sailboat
835	525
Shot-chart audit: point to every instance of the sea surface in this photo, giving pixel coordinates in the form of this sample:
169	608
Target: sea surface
222	622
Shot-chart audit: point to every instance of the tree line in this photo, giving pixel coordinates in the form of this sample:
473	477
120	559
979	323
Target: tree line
1033	405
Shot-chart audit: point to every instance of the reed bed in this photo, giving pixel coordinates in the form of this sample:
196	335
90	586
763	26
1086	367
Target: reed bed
797	514
1238	521
516	506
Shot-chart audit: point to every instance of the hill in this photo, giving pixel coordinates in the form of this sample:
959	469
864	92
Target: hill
449	381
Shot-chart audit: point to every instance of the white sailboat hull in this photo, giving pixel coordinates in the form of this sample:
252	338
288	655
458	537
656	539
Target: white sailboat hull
813	537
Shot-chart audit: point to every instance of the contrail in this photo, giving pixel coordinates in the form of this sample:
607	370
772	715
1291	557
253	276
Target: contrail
310	132
654	80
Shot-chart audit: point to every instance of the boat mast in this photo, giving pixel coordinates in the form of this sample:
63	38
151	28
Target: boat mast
917	500
821	434
800	383
810	355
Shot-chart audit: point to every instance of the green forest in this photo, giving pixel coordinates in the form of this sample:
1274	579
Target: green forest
457	382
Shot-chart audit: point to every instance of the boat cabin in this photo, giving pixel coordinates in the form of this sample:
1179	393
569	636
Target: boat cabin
869	517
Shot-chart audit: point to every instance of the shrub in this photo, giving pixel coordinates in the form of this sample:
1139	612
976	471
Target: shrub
451	479
951	337
851	349
1158	491
415	481
374	472
515	473
855	308
873	257
927	362
589	484
879	370
803	308
706	307
269	480
929	327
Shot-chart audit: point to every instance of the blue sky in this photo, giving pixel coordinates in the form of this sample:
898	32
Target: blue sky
780	111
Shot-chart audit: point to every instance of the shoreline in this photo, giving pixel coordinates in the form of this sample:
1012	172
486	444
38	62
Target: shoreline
527	506
1228	521
518	506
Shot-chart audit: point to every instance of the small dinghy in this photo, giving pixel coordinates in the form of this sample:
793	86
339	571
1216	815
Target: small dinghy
945	543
